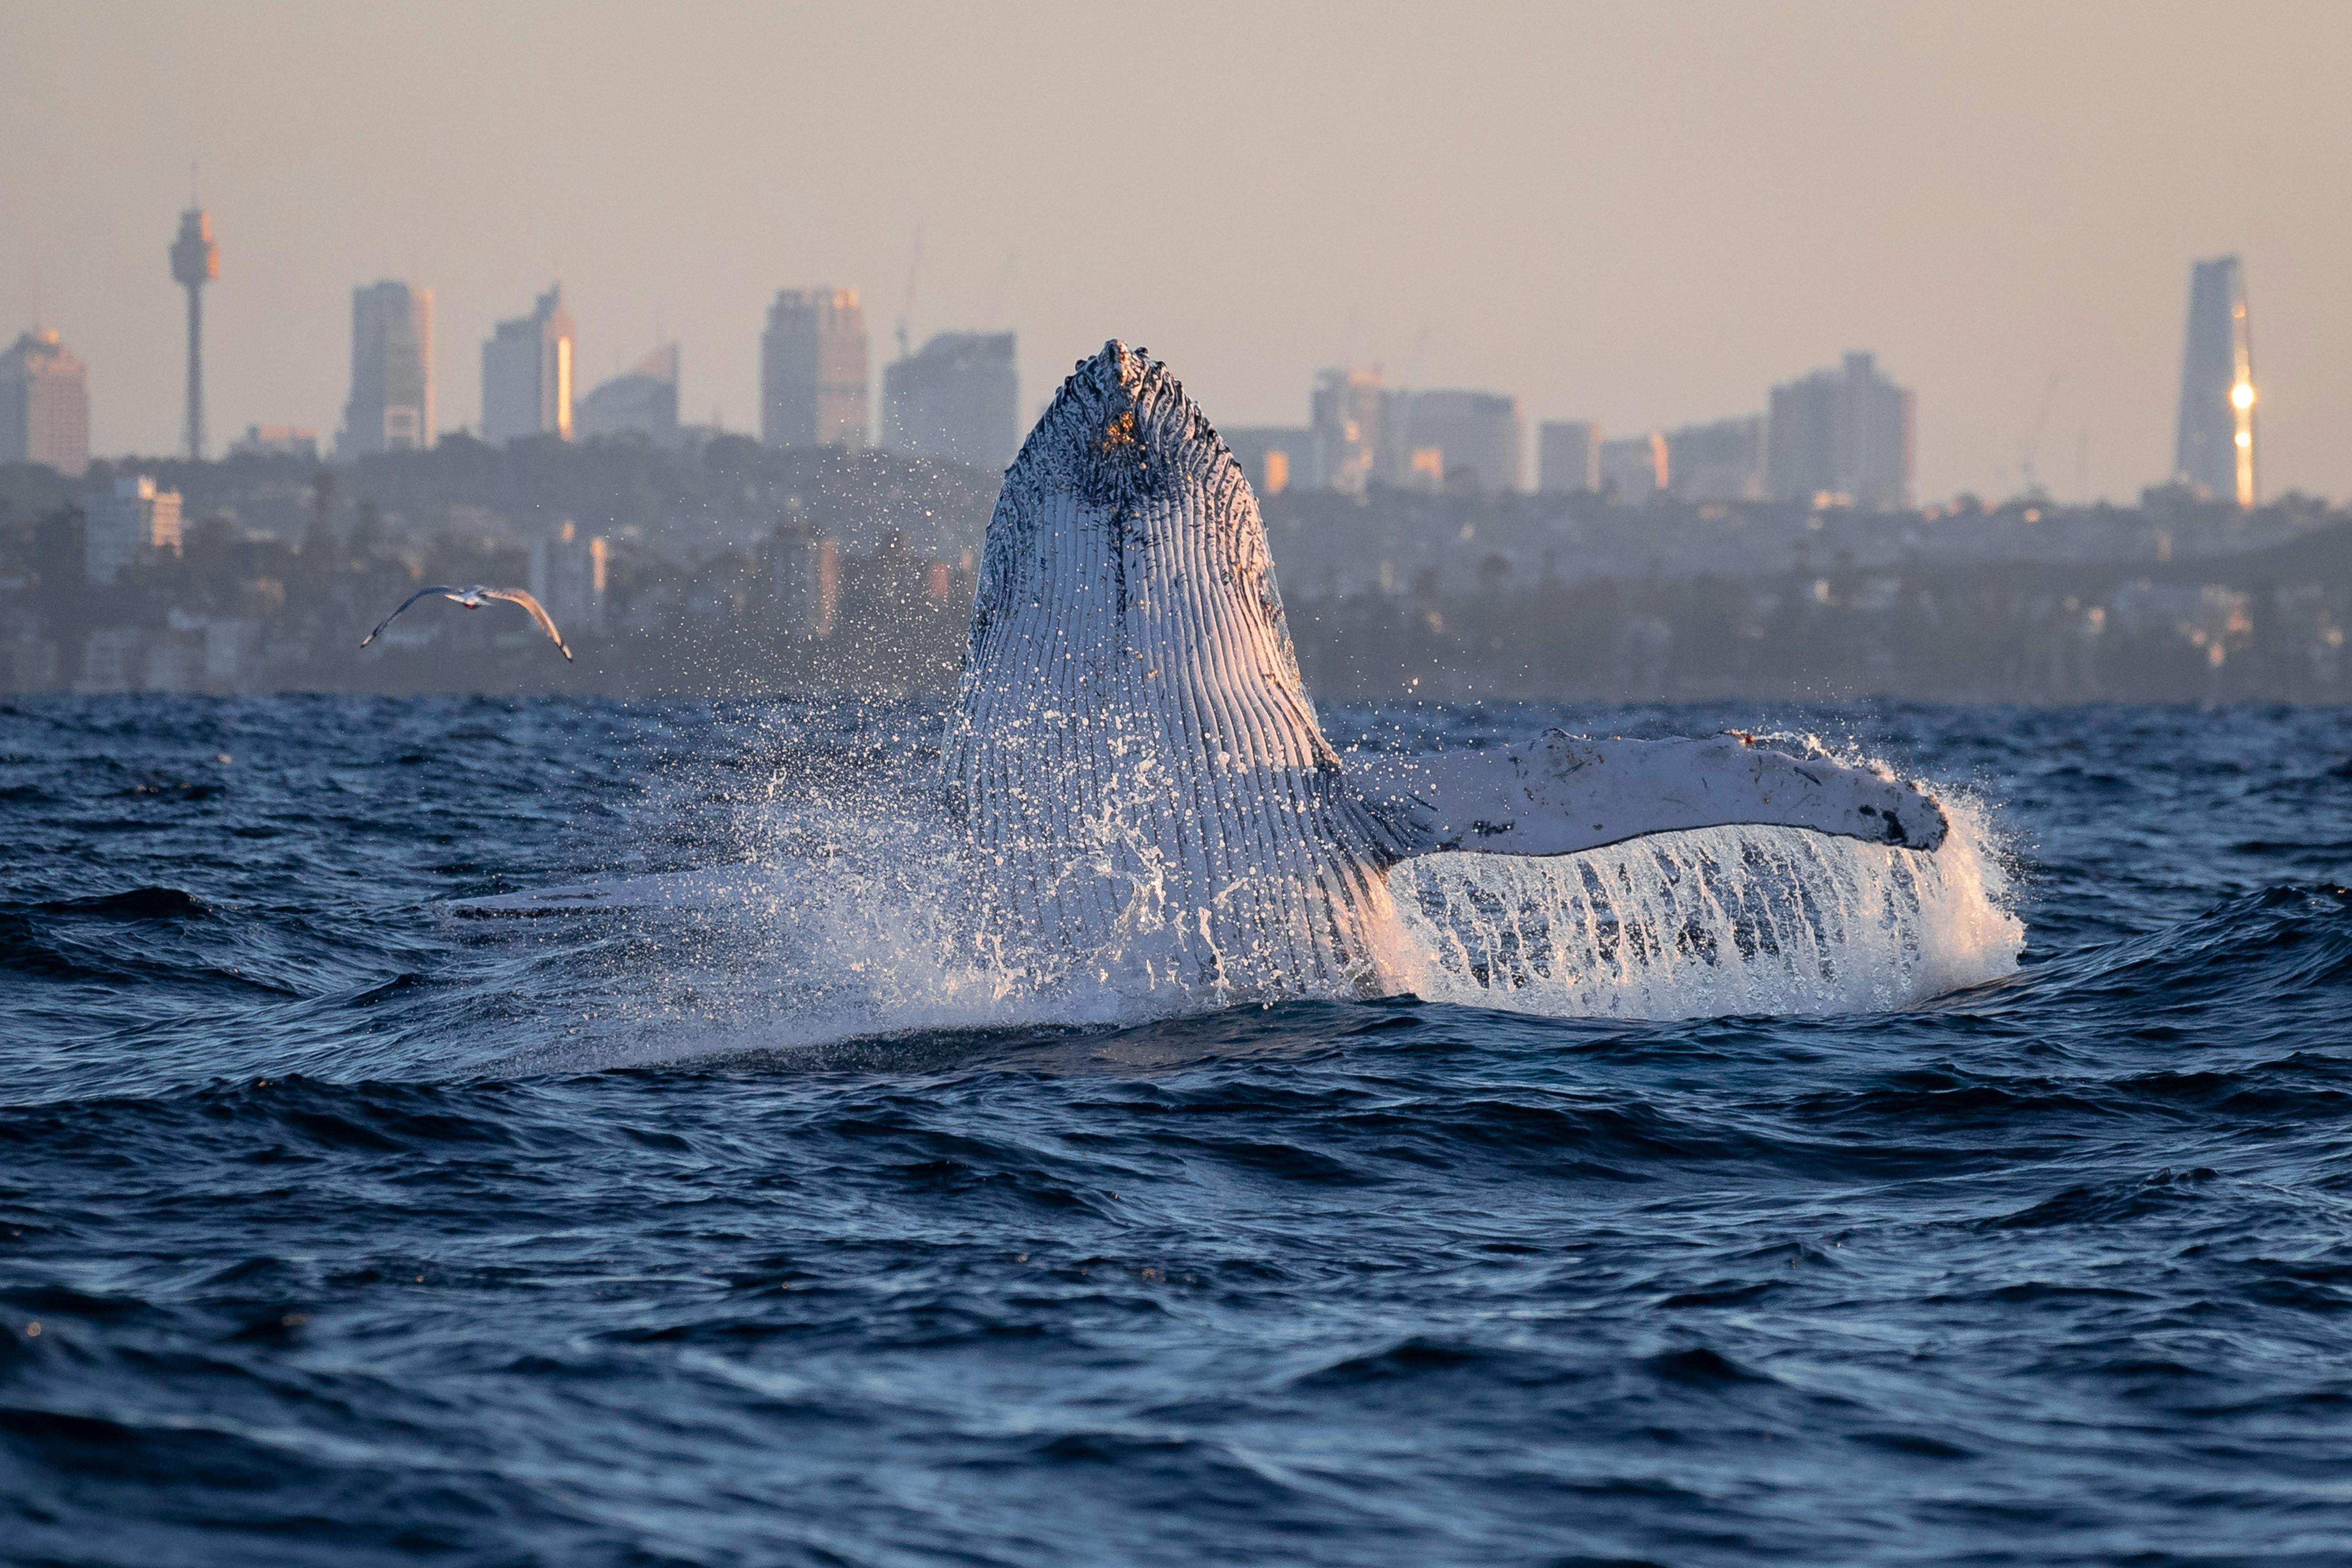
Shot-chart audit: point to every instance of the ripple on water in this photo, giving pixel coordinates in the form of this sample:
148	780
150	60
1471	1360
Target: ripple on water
1649	1230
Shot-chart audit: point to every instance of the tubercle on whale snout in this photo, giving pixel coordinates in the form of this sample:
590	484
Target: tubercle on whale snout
1123	440
1120	431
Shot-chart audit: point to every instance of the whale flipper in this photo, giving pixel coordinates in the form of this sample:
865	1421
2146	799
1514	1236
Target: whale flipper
1564	794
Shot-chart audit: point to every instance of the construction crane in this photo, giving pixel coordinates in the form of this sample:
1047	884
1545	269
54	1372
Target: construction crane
2032	444
1003	280
1420	353
906	300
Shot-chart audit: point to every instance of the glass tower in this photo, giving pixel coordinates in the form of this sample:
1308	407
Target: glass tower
2215	454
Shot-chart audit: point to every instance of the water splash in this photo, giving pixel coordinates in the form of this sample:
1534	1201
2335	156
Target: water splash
1723	921
864	912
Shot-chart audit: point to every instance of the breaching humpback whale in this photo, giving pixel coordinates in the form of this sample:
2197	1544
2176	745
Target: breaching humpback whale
1140	768
1143	791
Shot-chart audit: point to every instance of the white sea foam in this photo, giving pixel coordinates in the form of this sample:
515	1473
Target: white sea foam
1149	821
1722	920
861	917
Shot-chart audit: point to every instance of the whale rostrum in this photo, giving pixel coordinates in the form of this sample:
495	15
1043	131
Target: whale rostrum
1136	760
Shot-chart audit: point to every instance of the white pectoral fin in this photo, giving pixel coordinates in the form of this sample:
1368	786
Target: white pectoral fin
1565	794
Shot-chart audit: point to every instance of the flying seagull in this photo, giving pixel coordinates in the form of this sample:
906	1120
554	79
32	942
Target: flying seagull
471	596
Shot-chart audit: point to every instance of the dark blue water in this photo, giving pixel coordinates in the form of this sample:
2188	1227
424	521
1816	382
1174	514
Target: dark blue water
346	1243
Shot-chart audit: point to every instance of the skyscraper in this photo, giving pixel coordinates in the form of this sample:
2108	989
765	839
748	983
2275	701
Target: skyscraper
958	398
1348	413
1722	460
1474	437
1273	456
390	406
195	262
1844	432
44	404
640	401
812	370
1568	454
2215	452
1632	468
526	373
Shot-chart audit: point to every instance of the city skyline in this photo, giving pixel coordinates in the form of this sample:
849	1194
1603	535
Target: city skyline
1845	435
1615	306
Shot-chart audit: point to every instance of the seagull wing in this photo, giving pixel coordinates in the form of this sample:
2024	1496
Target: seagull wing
443	589
546	623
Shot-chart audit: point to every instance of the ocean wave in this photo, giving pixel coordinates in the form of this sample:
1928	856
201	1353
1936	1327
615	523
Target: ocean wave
791	1232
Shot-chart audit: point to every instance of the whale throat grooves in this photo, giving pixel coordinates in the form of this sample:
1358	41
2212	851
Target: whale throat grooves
1141	772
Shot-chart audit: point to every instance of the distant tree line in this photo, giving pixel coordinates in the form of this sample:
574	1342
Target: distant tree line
283	565
2269	625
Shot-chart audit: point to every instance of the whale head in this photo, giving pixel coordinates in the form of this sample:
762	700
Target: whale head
1134	751
1127	516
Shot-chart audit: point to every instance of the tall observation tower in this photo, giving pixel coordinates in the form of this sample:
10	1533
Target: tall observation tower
195	262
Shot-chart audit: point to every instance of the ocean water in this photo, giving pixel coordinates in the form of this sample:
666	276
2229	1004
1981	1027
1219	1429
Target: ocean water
1730	1199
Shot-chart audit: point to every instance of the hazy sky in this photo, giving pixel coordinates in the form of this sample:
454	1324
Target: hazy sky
1641	214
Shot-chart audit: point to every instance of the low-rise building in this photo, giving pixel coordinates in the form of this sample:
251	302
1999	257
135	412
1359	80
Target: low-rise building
277	441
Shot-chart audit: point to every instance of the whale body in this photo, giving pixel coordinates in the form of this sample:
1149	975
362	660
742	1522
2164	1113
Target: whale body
1141	773
1143	794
